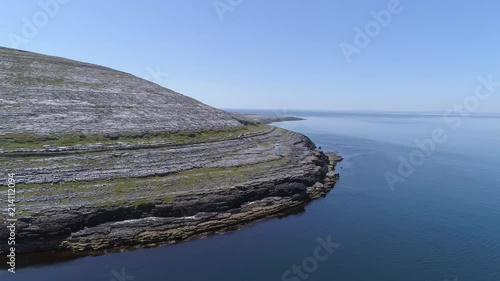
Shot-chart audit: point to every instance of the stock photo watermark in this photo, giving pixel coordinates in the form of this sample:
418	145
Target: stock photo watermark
223	6
454	118
280	113
311	263
31	26
156	75
121	276
11	222
363	36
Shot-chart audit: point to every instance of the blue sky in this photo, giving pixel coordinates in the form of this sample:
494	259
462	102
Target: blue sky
278	54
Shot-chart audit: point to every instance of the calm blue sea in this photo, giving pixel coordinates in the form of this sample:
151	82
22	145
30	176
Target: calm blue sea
439	222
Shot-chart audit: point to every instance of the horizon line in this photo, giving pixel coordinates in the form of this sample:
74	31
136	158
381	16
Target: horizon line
356	110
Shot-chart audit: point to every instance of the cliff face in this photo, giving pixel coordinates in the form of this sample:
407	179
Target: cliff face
105	160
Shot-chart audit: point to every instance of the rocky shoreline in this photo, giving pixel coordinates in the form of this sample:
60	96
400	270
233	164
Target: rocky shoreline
105	161
83	229
158	231
153	231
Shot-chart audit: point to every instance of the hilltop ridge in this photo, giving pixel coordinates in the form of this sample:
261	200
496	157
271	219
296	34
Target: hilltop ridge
52	95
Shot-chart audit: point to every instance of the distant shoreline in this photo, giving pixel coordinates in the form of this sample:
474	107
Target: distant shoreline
319	113
264	119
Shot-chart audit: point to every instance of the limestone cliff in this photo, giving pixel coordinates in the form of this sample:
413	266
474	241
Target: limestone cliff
104	160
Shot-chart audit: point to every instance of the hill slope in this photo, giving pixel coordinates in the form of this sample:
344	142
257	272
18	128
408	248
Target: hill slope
44	95
104	160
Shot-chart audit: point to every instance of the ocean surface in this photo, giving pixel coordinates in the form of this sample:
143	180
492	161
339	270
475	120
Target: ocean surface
436	219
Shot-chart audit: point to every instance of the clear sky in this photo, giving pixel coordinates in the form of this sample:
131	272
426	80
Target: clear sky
282	54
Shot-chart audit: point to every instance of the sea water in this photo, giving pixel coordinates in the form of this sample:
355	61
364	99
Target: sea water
440	220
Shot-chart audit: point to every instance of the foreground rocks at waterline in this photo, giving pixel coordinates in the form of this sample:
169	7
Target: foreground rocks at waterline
105	161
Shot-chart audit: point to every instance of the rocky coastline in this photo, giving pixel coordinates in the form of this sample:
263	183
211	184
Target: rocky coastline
104	161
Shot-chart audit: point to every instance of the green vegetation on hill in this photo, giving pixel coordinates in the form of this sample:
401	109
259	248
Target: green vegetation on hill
149	189
34	141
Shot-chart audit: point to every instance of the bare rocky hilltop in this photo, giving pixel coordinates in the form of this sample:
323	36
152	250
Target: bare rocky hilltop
104	161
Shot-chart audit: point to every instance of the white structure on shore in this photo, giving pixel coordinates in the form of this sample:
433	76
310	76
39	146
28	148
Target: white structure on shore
277	149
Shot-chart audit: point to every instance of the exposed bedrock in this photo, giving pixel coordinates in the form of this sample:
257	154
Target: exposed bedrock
105	161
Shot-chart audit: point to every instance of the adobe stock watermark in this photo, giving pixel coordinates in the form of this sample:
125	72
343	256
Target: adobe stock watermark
223	6
454	118
11	222
310	264
363	37
40	19
282	113
123	276
156	75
